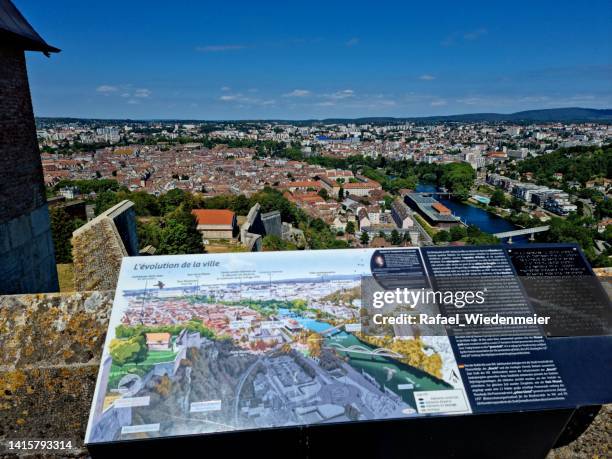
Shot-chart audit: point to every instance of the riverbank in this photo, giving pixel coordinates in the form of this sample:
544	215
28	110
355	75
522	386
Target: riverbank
474	203
471	214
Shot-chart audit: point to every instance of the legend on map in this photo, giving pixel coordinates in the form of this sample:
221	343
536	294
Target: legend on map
441	401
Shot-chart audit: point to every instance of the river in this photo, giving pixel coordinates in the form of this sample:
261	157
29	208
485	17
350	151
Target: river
485	221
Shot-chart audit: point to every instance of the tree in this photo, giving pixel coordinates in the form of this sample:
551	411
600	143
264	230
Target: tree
457	233
477	237
180	235
145	204
105	200
62	226
498	199
341	194
124	351
458	178
350	227
364	238
88	186
318	225
441	236
171	200
272	242
516	204
396	239
148	234
604	208
323	193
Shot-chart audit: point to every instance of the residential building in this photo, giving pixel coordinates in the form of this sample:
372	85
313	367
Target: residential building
216	223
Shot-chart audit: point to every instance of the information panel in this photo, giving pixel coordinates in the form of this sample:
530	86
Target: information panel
202	344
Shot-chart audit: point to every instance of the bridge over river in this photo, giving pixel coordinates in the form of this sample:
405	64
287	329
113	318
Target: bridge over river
359	349
521	232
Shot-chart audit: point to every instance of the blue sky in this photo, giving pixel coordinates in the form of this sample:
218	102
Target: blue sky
297	60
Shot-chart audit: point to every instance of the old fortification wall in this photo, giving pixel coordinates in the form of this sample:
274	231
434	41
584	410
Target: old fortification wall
99	246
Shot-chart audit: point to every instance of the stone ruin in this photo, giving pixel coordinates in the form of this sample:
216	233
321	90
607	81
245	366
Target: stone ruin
258	225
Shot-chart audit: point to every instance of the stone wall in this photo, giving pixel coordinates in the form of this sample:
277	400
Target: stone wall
51	348
98	247
124	218
22	188
272	223
26	249
27	260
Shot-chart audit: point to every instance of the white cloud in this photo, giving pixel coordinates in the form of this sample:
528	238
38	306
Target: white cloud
427	77
246	100
298	93
438	103
133	101
142	93
219	48
125	91
471	35
344	94
475	34
352	42
106	89
225	88
473	100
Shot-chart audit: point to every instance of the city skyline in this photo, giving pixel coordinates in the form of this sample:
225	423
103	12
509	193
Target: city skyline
241	61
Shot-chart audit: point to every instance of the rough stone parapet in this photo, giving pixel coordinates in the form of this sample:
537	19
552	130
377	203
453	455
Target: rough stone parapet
51	348
99	246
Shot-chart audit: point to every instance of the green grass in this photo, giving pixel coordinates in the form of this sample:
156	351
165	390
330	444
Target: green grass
485	189
428	229
65	274
141	368
154	357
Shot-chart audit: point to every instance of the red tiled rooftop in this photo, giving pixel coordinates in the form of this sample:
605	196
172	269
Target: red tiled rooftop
213	216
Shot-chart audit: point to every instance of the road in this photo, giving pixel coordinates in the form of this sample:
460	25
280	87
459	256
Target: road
240	384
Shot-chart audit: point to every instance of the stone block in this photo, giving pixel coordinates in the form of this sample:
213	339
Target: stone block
5	242
20	231
51	346
39	220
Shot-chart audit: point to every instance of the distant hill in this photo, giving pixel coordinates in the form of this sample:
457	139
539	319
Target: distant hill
570	114
547	115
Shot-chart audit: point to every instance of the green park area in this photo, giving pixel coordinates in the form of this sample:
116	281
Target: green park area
130	353
140	368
